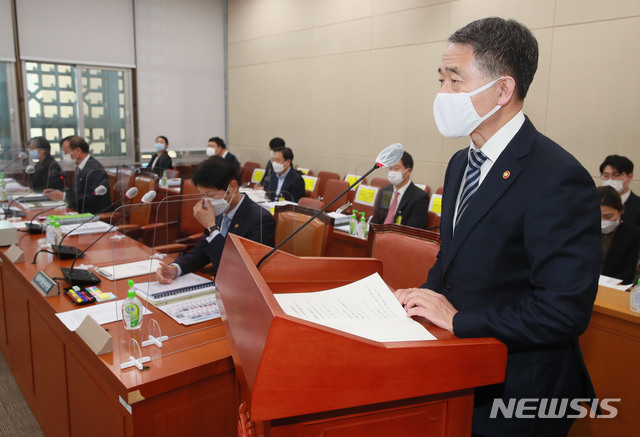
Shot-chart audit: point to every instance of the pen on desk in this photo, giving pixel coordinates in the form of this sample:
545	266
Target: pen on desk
74	295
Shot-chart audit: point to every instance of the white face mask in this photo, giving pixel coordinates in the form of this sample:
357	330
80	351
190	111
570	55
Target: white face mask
210	151
67	158
455	114
219	206
277	167
615	183
159	147
608	226
395	177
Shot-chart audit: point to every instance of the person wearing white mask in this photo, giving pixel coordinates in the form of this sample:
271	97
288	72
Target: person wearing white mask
620	240
617	171
48	173
520	232
274	144
222	210
160	160
216	146
286	182
401	202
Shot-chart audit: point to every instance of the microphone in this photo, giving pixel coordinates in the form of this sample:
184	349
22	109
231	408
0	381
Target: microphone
101	190
20	156
30	169
86	277
388	157
65	252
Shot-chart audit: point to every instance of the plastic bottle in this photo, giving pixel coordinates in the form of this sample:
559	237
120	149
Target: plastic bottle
57	232
132	309
3	188
634	298
51	230
163	182
353	223
362	227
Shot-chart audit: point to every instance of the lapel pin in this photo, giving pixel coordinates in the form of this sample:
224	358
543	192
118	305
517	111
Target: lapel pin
506	174
236	225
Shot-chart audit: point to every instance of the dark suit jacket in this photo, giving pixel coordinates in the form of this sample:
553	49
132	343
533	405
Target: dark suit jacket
164	163
632	210
250	221
48	174
231	159
412	209
81	197
621	260
292	188
523	267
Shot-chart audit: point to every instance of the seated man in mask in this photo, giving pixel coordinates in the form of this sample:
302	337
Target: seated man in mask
223	209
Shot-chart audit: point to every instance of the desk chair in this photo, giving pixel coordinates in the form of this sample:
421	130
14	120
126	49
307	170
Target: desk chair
313	240
247	171
184	170
433	222
323	177
407	253
120	180
189	229
380	182
172	173
332	189
310	202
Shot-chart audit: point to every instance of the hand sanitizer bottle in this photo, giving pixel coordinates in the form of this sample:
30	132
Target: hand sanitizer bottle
634	298
163	182
132	309
353	223
51	230
57	233
362	227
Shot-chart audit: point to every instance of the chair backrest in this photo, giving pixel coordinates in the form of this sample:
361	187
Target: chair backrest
184	170
119	182
313	240
439	190
172	173
247	171
143	214
310	202
323	177
380	182
190	196
369	197
332	189
407	253
433	222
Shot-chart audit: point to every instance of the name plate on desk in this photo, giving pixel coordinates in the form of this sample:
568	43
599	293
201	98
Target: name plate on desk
45	285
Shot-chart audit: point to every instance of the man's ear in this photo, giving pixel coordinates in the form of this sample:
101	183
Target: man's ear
507	90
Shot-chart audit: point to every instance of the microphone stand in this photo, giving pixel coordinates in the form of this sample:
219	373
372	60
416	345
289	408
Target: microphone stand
83	276
376	166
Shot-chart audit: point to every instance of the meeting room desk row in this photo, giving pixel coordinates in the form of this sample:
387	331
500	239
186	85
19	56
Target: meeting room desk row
188	387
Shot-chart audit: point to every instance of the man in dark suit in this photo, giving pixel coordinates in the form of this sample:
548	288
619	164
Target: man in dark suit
285	182
48	173
160	161
617	172
520	232
274	144
401	202
216	146
89	175
223	209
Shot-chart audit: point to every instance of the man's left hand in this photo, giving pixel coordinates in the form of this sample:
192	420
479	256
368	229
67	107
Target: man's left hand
428	304
203	212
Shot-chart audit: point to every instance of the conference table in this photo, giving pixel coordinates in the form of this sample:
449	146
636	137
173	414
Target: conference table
187	388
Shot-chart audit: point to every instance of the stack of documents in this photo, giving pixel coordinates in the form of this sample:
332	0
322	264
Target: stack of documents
129	270
86	228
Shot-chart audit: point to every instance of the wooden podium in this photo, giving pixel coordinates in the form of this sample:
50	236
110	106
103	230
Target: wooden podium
298	378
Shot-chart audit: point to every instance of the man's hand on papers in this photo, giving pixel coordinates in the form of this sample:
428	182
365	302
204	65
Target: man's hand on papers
204	214
428	304
55	195
166	273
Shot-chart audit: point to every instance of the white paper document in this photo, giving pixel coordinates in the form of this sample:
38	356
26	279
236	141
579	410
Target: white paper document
610	282
366	308
87	228
103	313
129	270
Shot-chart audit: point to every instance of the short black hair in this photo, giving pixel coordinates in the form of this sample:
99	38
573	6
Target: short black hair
76	141
609	197
287	153
620	163
407	160
40	143
219	141
166	140
214	172
276	143
502	47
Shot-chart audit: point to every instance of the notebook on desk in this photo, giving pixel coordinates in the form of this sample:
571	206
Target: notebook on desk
188	299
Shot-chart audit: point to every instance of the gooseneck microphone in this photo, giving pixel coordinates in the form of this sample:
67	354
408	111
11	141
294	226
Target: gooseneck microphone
65	252
388	157
87	277
20	156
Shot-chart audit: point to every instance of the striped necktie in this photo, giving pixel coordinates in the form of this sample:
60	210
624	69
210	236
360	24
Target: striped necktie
471	180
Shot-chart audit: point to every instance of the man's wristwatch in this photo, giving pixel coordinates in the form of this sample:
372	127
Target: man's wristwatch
209	231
